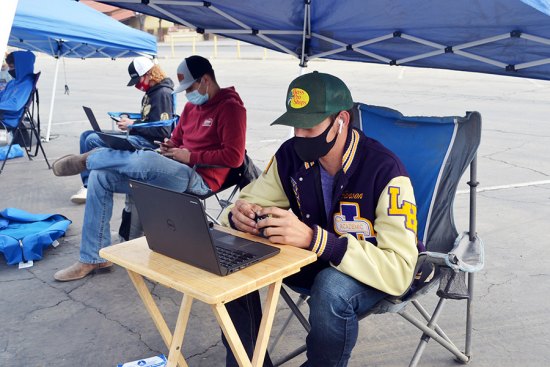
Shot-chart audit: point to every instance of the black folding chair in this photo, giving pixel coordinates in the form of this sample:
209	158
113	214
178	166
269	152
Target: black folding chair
436	152
27	130
237	179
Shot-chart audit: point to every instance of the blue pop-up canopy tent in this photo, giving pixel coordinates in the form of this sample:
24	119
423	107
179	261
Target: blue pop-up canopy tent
67	28
507	37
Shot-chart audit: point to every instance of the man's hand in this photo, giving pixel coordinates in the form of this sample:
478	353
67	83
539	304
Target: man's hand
283	227
124	122
182	155
167	144
243	215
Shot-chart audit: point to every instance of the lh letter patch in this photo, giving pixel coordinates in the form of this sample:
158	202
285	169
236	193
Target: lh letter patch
403	208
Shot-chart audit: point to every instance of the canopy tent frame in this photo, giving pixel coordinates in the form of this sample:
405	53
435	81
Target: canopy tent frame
340	47
74	30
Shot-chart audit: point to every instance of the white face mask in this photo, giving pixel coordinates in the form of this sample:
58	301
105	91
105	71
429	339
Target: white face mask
196	98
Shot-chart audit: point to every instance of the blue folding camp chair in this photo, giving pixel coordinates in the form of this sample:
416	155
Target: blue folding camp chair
27	130
137	116
436	152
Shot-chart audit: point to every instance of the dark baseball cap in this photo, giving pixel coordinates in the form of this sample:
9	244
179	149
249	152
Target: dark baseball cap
191	69
313	97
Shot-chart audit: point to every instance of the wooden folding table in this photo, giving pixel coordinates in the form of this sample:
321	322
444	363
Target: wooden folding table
136	257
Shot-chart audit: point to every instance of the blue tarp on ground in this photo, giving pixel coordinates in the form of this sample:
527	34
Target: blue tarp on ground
508	37
70	29
23	235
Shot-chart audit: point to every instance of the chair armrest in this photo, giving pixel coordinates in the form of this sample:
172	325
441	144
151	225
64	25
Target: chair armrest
131	115
153	124
467	255
201	165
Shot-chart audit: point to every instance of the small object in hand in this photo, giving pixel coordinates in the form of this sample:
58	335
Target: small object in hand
258	218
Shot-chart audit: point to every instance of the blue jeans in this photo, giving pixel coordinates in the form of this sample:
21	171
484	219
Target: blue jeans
110	172
336	303
90	140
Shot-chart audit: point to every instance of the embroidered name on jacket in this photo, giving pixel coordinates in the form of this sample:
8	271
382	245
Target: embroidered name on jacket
349	220
208	122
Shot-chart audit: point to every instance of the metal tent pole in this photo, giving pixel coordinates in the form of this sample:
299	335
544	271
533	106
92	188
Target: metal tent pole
50	115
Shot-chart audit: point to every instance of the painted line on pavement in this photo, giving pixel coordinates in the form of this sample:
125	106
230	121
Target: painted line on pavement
504	187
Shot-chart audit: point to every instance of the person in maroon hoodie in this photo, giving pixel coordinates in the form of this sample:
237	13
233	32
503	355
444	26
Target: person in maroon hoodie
210	131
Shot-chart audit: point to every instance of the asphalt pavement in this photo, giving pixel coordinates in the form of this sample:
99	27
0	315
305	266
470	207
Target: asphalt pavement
100	320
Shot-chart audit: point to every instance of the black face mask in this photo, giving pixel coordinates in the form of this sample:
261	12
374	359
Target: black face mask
12	73
311	149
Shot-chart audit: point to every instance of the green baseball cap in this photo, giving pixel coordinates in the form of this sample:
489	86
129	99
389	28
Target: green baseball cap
313	97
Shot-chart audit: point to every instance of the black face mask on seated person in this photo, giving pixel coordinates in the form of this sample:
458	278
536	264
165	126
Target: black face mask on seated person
12	73
311	149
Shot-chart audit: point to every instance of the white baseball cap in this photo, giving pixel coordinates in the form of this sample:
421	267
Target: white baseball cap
138	68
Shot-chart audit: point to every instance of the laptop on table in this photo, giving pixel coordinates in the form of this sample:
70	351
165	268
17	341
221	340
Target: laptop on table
113	139
176	225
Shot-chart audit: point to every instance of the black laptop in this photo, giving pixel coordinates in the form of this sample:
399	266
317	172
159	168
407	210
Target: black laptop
175	225
113	139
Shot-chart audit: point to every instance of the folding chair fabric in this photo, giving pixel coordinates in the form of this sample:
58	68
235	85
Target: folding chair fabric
27	130
433	151
237	179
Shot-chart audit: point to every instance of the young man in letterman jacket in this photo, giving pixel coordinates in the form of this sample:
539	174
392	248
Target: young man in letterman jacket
351	202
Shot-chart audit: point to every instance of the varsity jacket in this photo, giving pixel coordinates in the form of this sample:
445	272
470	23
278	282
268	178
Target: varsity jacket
370	233
156	105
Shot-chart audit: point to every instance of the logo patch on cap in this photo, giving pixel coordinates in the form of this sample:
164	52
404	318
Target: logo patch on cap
298	98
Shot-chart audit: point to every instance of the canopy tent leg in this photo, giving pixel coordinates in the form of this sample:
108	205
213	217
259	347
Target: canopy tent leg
48	131
6	21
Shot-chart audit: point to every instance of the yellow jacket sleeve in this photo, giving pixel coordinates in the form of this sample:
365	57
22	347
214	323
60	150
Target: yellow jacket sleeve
389	265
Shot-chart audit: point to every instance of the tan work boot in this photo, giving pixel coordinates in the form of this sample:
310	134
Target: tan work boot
79	270
71	164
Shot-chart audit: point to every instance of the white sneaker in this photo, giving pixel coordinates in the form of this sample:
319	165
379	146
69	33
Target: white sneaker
80	196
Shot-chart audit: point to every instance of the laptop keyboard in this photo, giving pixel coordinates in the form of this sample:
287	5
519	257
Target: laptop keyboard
232	258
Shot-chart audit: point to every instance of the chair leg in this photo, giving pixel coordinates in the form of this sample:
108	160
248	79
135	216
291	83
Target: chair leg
290	356
7	154
224	203
39	144
5	159
277	338
215	220
295	311
430	333
468	342
427	317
